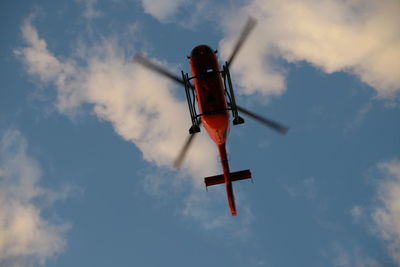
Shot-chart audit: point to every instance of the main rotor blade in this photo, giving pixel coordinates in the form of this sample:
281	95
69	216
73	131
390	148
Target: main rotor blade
243	36
270	123
182	154
139	58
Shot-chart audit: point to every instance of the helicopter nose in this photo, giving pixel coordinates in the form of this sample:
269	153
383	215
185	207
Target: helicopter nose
201	50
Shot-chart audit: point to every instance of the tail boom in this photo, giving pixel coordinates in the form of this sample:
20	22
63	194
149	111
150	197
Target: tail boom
227	178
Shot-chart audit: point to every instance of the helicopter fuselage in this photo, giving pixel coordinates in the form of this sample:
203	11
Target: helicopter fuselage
213	108
210	93
214	94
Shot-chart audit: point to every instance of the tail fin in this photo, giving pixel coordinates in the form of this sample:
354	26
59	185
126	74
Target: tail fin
233	176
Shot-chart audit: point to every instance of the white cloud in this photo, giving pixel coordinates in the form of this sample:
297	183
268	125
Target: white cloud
140	105
359	37
40	62
26	238
162	10
387	214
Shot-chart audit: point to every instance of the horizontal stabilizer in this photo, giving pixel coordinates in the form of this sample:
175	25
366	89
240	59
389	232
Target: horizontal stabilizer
233	176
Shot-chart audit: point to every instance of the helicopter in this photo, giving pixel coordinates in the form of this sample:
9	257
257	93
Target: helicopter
213	92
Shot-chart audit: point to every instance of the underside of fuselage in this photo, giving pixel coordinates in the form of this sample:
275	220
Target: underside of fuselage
210	93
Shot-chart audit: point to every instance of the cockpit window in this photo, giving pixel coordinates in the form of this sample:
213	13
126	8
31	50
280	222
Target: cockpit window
201	50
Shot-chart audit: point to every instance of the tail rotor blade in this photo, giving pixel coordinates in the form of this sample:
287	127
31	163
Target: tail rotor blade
270	123
139	58
243	36
182	154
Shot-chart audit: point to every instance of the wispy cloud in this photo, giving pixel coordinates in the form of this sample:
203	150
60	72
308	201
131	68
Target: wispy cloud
360	117
26	237
210	209
382	216
162	10
90	10
358	213
386	215
359	37
304	188
352	256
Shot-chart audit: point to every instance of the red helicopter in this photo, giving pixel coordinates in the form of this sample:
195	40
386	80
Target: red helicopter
213	91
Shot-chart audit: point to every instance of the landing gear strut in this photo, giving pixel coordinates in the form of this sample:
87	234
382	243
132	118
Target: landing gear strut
191	98
231	96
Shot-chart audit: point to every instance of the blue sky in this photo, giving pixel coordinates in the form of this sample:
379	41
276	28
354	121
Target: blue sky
87	138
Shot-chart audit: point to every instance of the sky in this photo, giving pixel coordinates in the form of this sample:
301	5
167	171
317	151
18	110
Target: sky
88	138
